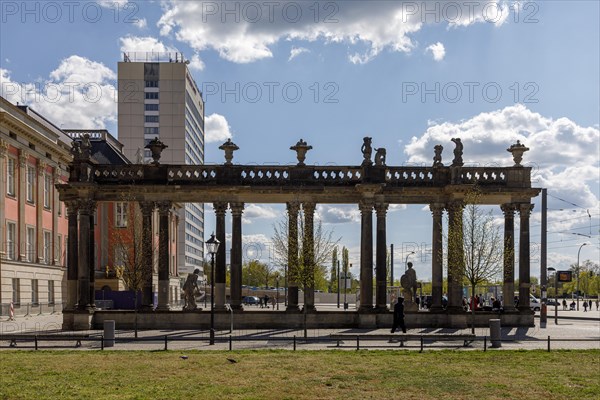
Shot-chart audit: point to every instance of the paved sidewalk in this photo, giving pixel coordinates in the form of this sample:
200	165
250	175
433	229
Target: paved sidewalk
581	333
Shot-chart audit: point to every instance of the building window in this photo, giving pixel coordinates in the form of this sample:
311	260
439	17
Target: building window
152	95
121	214
119	256
30	183
151	83
34	291
47	247
16	291
11	229
151	107
59	210
50	292
59	255
10	177
30	244
151	118
151	131
47	190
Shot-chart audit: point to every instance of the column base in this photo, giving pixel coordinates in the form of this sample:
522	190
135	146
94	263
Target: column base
366	309
237	307
455	310
309	308
437	309
381	309
163	307
292	309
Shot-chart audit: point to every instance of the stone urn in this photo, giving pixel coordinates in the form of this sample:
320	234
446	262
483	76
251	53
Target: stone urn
301	148
156	147
517	151
228	147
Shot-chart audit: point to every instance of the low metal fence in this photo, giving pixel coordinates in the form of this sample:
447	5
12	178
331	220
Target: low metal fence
36	342
30	309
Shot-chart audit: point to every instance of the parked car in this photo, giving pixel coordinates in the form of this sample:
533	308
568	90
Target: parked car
553	302
250	300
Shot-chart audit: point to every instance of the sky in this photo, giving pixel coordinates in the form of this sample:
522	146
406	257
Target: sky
408	74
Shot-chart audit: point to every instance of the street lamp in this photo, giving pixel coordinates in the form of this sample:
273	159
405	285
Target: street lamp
406	260
550	269
338	284
212	245
277	281
579	251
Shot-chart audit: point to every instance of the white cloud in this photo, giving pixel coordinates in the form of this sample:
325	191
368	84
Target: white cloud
437	51
144	44
245	32
257	211
79	93
141	23
563	155
338	214
217	128
196	63
296	51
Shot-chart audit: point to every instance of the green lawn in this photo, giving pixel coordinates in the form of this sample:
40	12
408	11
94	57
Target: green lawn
300	375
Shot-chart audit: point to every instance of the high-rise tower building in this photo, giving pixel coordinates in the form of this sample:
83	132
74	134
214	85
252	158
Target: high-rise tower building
159	98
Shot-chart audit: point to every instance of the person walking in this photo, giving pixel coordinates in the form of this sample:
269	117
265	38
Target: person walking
597	304
564	303
399	316
590	304
585	305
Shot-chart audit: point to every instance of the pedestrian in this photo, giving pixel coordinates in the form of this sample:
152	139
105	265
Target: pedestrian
584	305
597	304
273	302
399	316
564	303
590	304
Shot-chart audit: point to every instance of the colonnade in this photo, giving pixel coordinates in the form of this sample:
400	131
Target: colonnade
455	250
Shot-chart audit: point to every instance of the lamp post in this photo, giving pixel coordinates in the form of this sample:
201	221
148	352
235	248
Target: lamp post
578	252
550	269
212	245
406	260
338	284
277	281
346	287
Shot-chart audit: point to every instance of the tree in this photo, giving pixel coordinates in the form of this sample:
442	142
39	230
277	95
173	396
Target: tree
324	245
128	255
255	273
482	244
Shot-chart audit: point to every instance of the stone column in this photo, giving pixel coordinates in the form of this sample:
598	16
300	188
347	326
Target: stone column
308	250
366	256
524	270
220	266
292	269
380	259
55	205
72	255
3	173
92	264
508	287
22	250
236	255
456	256
437	255
164	211
147	237
86	208
39	209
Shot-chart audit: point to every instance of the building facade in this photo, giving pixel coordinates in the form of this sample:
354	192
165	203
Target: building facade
158	98
34	155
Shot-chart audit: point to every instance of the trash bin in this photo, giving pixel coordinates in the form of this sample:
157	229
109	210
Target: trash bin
495	333
109	333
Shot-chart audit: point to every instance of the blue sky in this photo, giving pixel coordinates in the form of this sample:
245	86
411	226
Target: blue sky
361	72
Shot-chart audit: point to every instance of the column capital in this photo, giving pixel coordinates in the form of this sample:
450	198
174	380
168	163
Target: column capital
365	205
86	206
308	208
525	209
437	208
236	209
164	207
220	207
455	205
147	207
508	209
41	167
72	207
381	209
293	207
3	148
23	157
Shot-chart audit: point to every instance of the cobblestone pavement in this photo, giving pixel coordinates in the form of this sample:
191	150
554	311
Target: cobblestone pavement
575	330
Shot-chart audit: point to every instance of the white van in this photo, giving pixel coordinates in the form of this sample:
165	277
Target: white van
534	302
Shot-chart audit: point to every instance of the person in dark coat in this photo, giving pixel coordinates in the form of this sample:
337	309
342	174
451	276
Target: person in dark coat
399	316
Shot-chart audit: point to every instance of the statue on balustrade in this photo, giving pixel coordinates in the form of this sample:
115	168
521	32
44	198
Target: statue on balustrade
366	151
380	157
437	157
458	152
408	281
190	288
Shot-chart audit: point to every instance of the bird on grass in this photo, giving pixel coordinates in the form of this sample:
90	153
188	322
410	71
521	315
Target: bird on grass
231	360
183	357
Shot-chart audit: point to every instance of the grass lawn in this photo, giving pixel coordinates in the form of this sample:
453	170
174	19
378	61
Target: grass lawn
300	375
